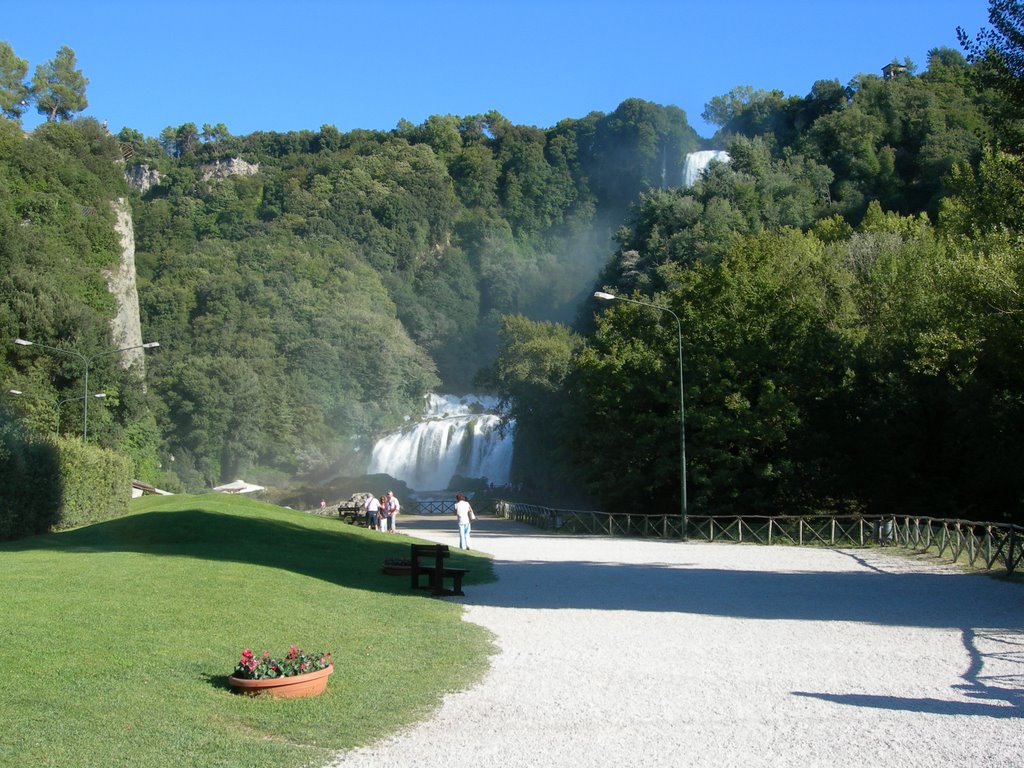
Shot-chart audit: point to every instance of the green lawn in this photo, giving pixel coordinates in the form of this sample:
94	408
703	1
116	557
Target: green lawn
116	640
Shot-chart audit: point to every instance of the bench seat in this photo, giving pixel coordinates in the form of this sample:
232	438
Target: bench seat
432	575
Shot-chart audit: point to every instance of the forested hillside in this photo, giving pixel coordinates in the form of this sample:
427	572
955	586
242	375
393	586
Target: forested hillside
308	288
849	289
848	286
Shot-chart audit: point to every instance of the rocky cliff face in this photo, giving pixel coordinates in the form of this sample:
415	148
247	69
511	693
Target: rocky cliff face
142	178
222	169
125	328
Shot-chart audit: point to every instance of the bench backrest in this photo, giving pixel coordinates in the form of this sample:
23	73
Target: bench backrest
429	550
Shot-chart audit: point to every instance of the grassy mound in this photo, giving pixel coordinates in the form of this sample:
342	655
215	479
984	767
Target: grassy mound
119	637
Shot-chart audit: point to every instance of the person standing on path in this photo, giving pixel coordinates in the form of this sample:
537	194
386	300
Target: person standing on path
392	506
464	513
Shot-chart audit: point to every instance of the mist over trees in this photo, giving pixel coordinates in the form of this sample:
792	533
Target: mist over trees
849	287
305	303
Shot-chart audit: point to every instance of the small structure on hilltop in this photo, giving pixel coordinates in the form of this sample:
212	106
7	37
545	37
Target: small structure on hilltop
891	70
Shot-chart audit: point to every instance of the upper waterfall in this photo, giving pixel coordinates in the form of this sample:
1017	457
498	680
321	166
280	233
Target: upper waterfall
697	162
456	436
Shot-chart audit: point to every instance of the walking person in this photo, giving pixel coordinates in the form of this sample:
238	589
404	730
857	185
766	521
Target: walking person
464	513
392	506
371	506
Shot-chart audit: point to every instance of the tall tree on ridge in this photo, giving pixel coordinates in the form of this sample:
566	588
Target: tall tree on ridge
59	87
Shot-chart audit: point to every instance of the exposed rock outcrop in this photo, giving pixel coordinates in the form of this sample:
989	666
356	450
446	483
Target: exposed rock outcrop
222	169
125	327
142	178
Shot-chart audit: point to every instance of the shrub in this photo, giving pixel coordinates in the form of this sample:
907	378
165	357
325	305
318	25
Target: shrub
30	478
96	484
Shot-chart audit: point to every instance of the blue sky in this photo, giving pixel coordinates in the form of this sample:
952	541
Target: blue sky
280	66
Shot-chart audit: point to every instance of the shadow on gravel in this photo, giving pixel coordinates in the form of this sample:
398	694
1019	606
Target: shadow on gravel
873	595
984	647
925	705
896	599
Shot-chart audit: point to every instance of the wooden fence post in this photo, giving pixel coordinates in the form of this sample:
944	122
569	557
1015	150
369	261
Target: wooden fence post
1010	558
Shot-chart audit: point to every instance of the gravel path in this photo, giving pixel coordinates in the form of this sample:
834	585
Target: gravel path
644	653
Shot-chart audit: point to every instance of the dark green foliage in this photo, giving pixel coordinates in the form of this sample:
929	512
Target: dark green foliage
888	139
998	53
839	351
56	485
29	473
640	146
531	371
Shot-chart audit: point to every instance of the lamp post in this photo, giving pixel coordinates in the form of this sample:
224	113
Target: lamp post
86	362
603	296
98	396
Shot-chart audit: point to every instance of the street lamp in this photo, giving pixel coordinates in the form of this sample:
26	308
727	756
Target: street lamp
98	396
86	362
603	296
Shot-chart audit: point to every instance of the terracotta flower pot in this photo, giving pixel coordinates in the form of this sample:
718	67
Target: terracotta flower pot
309	684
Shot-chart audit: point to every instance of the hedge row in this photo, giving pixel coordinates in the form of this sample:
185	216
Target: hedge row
96	484
50	486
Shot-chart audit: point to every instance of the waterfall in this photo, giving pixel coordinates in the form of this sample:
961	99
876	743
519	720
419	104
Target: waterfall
697	162
456	436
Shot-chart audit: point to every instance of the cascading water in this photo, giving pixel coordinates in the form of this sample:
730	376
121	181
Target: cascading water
697	162
457	436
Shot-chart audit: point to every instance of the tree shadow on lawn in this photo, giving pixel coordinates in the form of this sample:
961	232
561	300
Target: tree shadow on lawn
339	556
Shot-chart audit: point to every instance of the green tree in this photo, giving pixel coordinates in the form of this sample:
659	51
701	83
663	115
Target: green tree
998	53
13	91
535	360
58	87
751	112
215	133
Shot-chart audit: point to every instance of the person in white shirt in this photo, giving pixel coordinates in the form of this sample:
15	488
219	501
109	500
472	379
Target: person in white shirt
371	506
464	512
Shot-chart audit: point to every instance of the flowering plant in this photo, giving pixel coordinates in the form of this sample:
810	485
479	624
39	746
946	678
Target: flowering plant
266	667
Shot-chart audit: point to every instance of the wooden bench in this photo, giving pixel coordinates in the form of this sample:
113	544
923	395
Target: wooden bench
435	572
352	516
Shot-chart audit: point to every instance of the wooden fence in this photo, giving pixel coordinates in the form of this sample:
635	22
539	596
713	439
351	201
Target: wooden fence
979	545
434	507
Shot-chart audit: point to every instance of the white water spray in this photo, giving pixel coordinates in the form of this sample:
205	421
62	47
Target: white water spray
697	162
457	436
